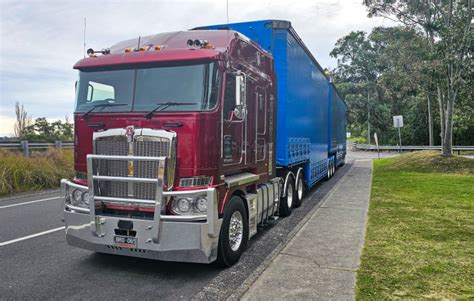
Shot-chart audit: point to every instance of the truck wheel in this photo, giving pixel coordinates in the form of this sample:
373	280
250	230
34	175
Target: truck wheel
287	202
329	171
234	233
299	189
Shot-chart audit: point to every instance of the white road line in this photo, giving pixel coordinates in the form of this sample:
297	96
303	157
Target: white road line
30	202
2	244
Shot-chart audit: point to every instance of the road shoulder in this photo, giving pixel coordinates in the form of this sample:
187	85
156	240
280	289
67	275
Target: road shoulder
321	260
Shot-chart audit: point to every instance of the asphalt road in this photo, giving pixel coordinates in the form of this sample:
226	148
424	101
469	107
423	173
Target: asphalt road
37	264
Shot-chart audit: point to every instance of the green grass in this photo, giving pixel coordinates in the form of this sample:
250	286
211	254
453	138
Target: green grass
43	170
420	234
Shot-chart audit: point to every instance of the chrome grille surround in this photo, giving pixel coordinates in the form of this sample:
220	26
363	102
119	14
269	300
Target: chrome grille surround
146	142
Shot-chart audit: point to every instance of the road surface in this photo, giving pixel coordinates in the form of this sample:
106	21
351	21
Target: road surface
36	263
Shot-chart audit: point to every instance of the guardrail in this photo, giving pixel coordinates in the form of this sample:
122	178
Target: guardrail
367	147
26	146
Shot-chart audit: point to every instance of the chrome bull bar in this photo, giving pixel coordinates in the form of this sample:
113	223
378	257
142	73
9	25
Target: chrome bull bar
158	203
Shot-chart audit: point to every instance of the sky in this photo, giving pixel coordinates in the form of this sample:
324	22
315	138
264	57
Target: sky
41	40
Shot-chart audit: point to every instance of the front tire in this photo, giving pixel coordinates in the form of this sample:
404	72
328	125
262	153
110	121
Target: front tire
234	233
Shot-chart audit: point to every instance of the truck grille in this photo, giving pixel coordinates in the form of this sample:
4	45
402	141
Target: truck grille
146	146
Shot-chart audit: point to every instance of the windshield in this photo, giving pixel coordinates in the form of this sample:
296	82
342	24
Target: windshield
142	89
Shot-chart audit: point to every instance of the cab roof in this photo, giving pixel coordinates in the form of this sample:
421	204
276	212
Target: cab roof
172	46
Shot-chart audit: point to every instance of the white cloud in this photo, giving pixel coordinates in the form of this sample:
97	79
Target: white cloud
41	40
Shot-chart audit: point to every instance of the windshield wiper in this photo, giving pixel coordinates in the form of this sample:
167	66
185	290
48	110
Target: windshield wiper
101	105
162	106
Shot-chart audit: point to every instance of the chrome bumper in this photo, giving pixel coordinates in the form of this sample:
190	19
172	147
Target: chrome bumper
180	241
166	237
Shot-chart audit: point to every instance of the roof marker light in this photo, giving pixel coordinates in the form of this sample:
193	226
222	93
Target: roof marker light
145	48
128	50
157	47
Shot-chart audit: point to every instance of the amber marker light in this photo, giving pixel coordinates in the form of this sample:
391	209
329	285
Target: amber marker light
128	50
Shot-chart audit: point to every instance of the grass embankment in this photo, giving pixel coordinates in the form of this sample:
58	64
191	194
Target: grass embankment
43	170
420	235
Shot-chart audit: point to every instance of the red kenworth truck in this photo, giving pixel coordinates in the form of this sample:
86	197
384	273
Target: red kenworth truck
186	142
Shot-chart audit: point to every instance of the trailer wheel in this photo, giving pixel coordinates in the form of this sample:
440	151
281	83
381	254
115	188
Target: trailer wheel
328	176
287	202
234	233
299	189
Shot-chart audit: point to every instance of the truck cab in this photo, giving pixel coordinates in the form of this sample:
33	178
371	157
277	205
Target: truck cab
174	147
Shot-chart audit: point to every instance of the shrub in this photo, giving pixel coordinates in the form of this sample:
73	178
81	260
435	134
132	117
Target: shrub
43	170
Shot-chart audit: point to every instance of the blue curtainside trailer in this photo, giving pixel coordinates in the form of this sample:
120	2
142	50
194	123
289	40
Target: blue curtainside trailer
311	115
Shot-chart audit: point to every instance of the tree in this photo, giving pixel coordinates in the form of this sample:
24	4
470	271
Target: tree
42	130
388	63
22	120
447	25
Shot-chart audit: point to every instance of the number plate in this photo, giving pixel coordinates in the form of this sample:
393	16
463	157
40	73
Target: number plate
125	241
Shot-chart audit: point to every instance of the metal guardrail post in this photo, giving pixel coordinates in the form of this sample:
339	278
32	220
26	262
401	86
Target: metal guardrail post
58	144
25	148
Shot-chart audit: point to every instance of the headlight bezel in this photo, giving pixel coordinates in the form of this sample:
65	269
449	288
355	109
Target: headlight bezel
77	197
192	201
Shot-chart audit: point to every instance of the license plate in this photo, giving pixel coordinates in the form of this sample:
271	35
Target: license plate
125	241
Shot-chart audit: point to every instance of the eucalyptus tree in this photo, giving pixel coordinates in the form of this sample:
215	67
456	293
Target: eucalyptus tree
447	25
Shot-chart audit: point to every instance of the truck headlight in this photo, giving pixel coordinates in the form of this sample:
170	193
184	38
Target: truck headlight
201	204
85	197
189	206
184	205
77	196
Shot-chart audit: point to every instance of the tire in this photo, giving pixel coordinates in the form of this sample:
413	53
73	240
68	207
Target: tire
287	202
328	175
299	190
232	245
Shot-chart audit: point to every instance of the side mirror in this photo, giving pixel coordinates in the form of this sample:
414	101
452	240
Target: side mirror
240	110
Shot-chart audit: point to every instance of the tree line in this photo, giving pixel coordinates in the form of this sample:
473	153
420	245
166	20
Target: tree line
421	69
40	129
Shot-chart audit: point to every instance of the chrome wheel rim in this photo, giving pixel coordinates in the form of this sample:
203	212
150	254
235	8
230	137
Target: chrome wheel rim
236	228
329	169
300	188
289	196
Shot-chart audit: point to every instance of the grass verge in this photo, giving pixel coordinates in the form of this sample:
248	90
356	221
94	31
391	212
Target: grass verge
43	170
420	234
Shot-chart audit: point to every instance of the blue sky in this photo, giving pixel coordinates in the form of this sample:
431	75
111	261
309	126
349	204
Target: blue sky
41	40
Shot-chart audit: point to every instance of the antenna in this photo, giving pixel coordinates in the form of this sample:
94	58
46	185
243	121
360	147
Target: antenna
138	47
227	8
84	37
